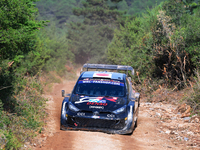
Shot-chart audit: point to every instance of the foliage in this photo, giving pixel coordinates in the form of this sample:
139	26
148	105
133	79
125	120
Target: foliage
193	96
137	7
165	43
20	126
132	44
21	104
17	38
59	12
54	47
17	27
88	40
97	12
177	53
91	22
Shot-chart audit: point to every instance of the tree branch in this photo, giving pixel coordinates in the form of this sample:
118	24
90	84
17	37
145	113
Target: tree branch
5	87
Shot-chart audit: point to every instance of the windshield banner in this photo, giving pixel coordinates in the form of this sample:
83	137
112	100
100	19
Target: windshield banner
102	82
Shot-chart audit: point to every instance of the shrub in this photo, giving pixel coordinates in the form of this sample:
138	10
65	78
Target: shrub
27	116
193	96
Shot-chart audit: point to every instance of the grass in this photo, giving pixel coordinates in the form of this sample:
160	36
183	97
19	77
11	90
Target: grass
192	96
26	120
156	91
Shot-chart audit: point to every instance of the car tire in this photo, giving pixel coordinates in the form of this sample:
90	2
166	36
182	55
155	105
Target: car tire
136	124
61	124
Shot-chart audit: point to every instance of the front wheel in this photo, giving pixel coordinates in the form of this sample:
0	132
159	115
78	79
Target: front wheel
136	124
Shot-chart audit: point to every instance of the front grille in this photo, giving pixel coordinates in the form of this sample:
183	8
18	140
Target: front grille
100	123
101	112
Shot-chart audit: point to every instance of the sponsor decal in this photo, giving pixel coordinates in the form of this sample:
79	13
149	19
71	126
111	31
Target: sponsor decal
97	101
97	107
102	82
112	99
103	75
98	104
110	115
81	114
87	99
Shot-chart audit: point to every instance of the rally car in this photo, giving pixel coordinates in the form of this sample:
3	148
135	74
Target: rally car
101	101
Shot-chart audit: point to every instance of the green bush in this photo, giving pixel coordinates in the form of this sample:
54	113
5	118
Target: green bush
132	44
193	96
27	117
54	52
160	44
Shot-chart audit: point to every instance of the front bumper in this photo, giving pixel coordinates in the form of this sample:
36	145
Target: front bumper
118	126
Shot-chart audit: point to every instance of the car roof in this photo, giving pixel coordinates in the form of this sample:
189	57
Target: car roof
103	74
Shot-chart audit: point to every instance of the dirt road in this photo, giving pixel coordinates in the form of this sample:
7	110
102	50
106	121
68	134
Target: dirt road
145	137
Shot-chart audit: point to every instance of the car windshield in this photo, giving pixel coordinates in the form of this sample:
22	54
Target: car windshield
100	87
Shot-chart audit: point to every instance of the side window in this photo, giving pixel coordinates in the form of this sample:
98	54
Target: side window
127	85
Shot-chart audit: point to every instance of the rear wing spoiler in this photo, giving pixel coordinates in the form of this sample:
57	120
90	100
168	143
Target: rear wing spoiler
108	67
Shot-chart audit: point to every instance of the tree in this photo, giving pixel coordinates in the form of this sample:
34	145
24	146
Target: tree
59	12
137	7
17	27
98	12
132	44
17	38
90	38
163	43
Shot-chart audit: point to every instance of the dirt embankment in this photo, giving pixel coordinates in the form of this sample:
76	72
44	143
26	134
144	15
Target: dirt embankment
150	134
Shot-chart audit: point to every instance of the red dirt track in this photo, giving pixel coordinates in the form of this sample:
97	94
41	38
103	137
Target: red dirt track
145	137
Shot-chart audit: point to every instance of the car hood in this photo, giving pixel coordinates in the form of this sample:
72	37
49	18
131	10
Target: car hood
104	104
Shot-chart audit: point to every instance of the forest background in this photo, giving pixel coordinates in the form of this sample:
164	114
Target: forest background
160	39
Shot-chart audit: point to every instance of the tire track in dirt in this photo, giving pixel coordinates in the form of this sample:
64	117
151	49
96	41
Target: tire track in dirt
145	137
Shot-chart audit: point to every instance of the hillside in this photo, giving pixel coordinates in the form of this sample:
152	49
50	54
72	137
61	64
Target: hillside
60	12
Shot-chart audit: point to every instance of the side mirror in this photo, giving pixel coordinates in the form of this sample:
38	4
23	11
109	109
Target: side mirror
63	93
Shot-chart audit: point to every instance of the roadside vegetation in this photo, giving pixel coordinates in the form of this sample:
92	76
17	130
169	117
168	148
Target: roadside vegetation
27	51
163	45
160	40
21	124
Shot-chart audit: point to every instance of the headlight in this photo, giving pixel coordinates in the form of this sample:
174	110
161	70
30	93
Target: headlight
75	98
72	107
120	110
120	101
